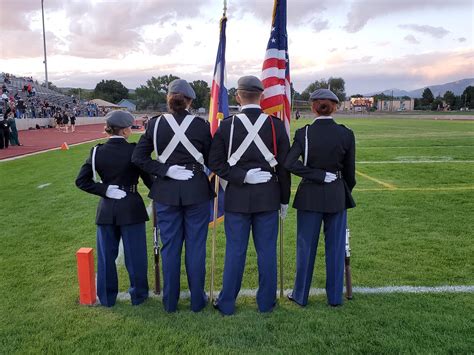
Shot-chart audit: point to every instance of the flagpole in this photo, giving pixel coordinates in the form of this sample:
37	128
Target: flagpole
216	209
214	233
281	238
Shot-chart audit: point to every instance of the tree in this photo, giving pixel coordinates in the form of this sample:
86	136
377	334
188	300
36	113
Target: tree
405	97
356	95
82	94
437	104
337	87
51	86
318	84
202	90
110	90
231	94
450	99
153	94
427	97
467	97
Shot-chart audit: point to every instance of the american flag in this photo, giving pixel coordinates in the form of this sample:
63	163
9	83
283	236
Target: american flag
276	98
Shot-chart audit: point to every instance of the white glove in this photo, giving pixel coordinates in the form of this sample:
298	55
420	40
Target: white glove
178	172
114	192
330	177
283	211
256	176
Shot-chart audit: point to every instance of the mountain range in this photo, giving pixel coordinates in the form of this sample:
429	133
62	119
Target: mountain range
457	87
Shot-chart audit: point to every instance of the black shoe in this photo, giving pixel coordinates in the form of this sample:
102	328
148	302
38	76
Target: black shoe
335	305
290	297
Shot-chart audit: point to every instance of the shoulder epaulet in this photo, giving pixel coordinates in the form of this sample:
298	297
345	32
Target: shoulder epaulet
304	127
96	146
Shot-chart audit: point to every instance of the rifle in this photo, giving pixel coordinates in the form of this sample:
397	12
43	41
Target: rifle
156	252
347	266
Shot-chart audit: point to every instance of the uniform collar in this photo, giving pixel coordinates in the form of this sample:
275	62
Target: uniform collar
323	119
250	106
116	137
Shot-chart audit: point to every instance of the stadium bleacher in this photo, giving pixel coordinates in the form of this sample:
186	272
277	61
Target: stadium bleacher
16	85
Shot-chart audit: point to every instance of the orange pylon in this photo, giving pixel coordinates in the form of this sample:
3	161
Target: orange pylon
64	146
86	276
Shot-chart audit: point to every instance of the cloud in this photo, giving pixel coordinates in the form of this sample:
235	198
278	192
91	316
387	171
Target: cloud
437	32
362	11
411	39
462	39
165	45
300	12
97	29
320	25
405	72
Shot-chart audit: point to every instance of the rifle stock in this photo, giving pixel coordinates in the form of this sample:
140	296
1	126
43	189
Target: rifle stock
347	267
156	252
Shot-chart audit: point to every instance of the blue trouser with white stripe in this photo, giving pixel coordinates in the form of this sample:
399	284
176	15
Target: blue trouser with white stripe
178	225
265	233
134	246
308	227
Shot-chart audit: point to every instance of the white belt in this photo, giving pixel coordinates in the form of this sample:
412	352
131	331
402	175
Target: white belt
252	136
179	137
94	171
305	160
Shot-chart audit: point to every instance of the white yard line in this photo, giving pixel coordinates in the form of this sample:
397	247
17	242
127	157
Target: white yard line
42	186
415	161
124	296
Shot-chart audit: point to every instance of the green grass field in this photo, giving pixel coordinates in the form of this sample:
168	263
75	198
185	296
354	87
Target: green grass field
413	225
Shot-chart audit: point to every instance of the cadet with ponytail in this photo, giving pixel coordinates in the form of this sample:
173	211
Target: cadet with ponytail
181	191
323	154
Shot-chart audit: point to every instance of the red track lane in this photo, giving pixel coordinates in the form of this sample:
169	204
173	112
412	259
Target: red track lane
37	140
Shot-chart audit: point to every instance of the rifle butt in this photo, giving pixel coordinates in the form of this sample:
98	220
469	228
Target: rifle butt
347	267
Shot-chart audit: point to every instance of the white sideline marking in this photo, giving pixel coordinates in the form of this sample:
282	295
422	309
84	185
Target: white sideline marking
46	150
51	149
414	161
43	185
125	296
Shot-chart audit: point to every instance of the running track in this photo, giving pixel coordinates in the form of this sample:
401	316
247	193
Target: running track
44	139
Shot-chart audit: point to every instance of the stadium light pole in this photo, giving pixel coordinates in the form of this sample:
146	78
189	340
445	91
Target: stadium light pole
44	47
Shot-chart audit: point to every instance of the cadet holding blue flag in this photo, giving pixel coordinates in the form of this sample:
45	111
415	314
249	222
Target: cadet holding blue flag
181	191
327	168
248	151
121	213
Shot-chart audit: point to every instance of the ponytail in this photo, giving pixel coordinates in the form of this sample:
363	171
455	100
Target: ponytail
177	102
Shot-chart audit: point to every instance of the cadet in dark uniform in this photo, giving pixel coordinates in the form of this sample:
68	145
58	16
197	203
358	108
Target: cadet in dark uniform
327	166
121	212
248	151
5	130
181	191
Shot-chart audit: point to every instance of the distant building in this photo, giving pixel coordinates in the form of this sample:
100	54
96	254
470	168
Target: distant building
357	104
128	104
396	105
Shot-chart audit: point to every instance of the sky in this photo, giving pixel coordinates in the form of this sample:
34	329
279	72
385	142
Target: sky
372	44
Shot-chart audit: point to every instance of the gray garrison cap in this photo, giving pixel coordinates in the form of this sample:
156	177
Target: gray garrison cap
323	94
250	83
119	119
181	86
